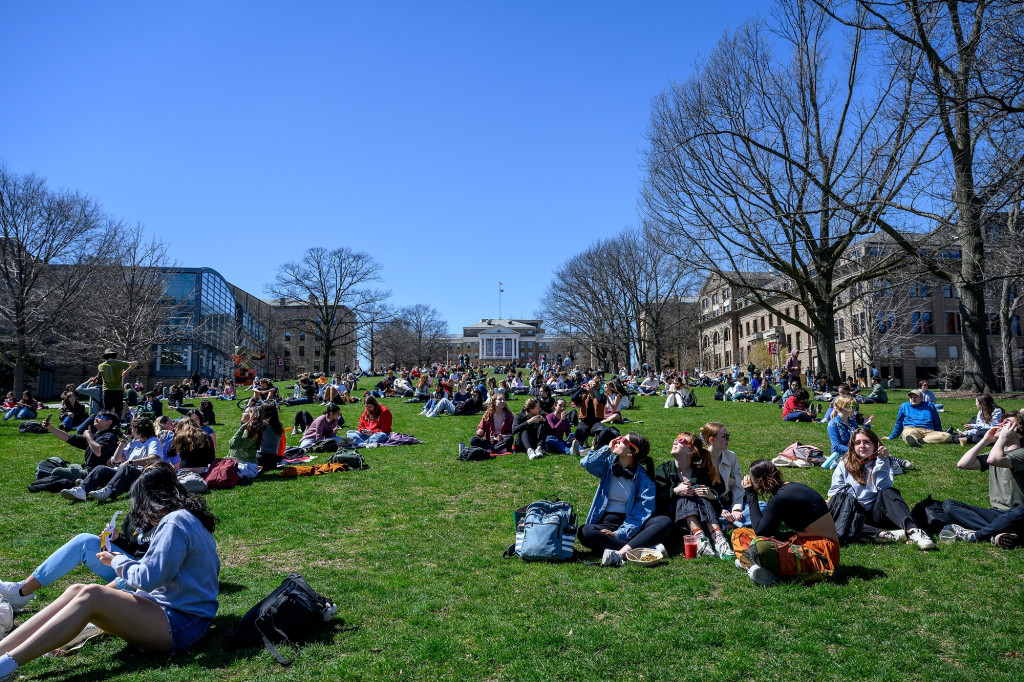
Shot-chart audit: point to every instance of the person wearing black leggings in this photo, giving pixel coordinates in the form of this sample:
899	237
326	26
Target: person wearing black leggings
621	515
530	429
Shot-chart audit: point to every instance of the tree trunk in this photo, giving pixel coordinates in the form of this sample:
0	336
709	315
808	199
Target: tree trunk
979	376
1006	307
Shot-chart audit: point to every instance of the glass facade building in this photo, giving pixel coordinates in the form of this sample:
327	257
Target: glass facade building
220	322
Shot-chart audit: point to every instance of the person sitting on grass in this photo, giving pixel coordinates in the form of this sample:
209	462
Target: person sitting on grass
918	422
105	483
622	514
765	392
687	491
10	402
530	429
649	386
674	392
928	396
176	582
716	437
270	439
877	395
808	552
590	404
494	432
1003	522
192	445
323	427
374	424
26	408
559	427
842	425
989	415
741	391
796	410
866	472
99	442
613	392
72	411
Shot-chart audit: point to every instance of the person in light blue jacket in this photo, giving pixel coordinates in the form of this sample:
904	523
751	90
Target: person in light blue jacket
866	472
163	602
624	501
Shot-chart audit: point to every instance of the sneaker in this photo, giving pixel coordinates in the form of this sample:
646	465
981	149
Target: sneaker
574	449
611	558
12	593
761	576
913	441
704	547
661	549
904	464
739	565
921	539
76	494
1004	540
78	641
462	447
103	494
887	536
534	453
722	548
952	532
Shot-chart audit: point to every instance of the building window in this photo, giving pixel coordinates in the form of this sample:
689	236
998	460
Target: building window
886	320
302	336
287	352
726	295
798	340
921	323
287	336
316	351
951	325
748	327
332	367
918	290
1015	325
993	323
725	334
842	329
302	351
316	365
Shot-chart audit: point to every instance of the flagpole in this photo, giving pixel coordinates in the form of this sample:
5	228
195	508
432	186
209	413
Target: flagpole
499	299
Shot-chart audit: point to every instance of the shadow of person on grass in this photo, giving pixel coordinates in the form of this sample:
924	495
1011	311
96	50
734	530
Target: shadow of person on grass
848	572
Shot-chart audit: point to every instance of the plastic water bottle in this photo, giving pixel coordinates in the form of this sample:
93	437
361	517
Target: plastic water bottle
947	535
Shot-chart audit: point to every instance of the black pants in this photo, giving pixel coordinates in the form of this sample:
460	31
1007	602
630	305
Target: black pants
267	460
112	400
532	436
601	433
986	523
118	479
503	444
890	512
654	530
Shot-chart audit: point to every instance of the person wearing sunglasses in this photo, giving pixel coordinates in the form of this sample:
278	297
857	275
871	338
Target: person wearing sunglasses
620	516
717	438
688	489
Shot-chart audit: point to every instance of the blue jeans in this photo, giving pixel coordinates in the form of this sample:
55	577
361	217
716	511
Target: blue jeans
745	523
20	413
798	417
555	444
79	550
359	439
986	523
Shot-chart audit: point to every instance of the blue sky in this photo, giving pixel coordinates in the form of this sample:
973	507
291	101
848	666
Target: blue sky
458	143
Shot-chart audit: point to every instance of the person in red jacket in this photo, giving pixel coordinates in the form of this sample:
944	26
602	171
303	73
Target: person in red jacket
374	424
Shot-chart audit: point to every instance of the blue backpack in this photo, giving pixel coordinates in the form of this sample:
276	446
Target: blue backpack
547	532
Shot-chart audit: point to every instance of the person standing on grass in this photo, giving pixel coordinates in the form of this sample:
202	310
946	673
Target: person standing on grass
918	422
112	373
1003	522
792	366
808	552
175	583
621	515
866	472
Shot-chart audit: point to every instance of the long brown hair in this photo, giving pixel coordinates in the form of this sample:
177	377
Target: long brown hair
371	406
701	458
489	413
188	436
854	466
766	477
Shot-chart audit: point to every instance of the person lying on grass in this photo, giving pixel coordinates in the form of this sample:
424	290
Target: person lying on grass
1003	522
810	554
687	492
866	472
175	583
620	516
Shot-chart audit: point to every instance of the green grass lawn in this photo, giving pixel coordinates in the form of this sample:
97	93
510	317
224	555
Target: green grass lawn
411	552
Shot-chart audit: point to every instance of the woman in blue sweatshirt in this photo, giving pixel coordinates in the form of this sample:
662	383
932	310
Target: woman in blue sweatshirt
163	602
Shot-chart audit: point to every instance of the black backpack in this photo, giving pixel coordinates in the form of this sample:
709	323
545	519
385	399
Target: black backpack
292	612
46	467
353	459
930	516
848	515
31	426
690	399
325	445
474	454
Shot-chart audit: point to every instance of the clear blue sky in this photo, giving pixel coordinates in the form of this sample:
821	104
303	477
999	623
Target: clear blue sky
458	143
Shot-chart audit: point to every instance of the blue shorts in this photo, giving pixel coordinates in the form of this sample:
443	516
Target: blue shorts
186	628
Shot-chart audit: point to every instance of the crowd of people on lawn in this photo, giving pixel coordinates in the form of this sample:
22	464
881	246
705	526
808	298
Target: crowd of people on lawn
161	564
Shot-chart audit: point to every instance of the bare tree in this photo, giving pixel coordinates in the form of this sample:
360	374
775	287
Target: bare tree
373	320
964	68
427	331
42	228
771	166
336	288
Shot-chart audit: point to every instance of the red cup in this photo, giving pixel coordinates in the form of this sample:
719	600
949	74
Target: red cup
690	546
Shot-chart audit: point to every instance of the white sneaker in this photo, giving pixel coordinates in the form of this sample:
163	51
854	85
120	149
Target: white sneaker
462	446
531	453
574	448
76	494
102	495
661	548
611	558
891	536
761	576
722	548
704	547
921	539
11	591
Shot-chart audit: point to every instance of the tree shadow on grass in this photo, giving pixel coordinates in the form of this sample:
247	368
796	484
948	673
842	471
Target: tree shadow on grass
848	573
212	652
